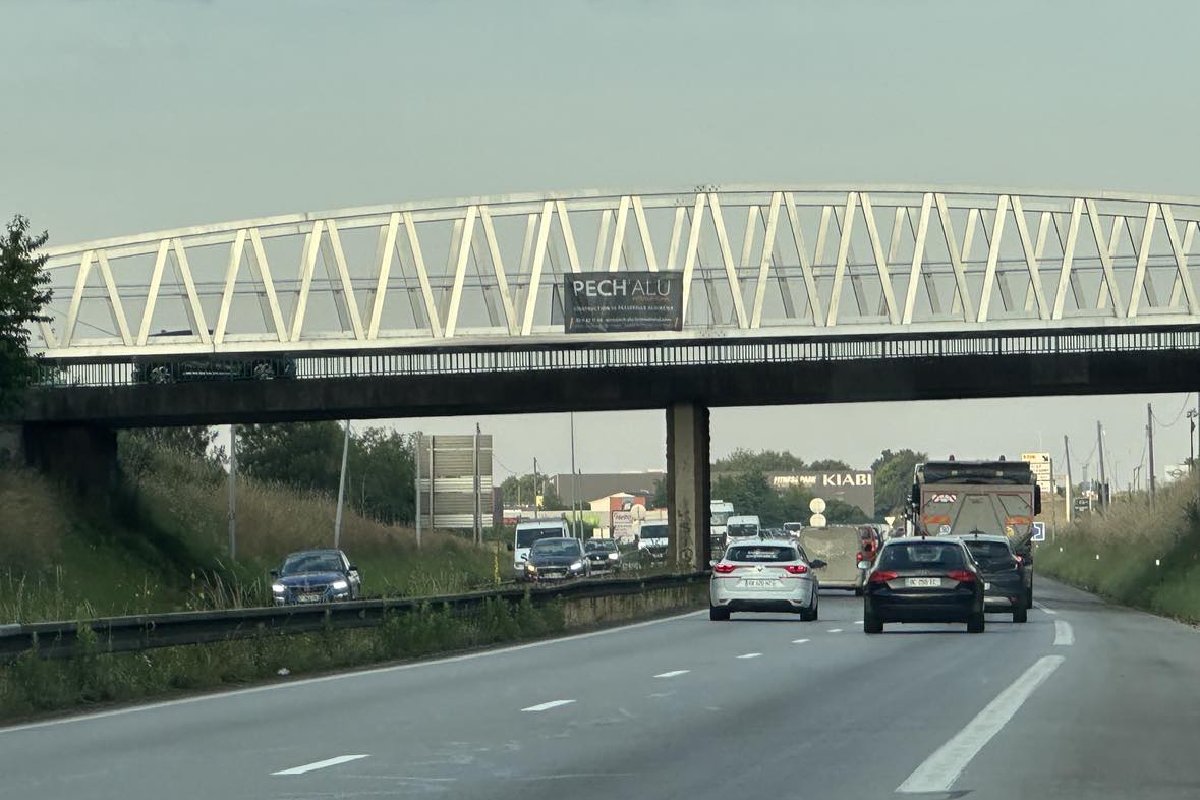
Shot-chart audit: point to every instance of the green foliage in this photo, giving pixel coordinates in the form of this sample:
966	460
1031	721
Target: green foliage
660	497
307	456
520	490
838	512
742	460
893	479
23	295
1114	553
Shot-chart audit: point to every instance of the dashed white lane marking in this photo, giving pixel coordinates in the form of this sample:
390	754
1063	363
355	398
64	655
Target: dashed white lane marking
329	762
799	641
750	655
1043	609
858	622
835	630
548	705
675	673
1063	633
939	772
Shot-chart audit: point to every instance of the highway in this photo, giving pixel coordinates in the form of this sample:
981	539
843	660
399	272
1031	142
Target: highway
1084	701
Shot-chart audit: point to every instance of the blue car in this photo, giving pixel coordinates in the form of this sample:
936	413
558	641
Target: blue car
315	576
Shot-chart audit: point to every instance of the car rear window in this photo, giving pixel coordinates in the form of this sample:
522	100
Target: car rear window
991	554
922	555
762	553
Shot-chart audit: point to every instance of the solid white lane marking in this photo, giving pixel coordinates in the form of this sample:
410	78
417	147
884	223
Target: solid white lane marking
329	762
673	673
835	630
1043	609
361	673
799	641
939	772
1063	633
547	705
750	655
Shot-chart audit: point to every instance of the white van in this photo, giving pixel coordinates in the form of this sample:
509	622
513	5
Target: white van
653	538
530	531
741	526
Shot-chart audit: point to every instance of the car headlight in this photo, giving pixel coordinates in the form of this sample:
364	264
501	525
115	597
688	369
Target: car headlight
613	556
278	588
340	586
530	567
578	565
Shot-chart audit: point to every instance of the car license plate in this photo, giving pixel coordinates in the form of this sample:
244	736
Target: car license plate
761	583
310	598
916	582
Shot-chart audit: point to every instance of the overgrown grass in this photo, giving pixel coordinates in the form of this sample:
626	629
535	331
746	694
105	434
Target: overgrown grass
163	546
1133	554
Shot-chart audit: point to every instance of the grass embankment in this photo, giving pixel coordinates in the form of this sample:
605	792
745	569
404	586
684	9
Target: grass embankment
162	545
1135	555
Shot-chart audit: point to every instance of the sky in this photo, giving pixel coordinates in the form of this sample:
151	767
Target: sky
122	117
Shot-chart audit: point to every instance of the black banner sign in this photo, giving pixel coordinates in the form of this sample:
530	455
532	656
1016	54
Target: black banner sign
617	302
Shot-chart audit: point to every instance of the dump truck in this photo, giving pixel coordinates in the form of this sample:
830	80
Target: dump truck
961	498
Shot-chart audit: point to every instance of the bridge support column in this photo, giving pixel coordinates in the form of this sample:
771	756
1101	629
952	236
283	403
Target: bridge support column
82	456
687	485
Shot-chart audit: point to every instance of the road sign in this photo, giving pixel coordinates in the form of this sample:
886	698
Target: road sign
817	520
816	505
1039	532
1041	467
890	520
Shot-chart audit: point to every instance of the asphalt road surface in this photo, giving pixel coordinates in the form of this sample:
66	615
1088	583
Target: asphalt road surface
1085	701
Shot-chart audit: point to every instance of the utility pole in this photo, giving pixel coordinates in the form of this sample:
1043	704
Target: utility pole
1103	480
232	492
477	520
1191	415
337	521
1150	446
536	514
1070	486
574	482
417	486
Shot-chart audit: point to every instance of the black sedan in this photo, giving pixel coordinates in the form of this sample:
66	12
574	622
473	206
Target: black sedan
603	555
1004	575
556	558
315	576
923	579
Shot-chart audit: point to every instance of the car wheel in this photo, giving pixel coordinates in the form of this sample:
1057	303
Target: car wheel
1029	597
872	624
811	614
975	623
858	591
716	614
1020	615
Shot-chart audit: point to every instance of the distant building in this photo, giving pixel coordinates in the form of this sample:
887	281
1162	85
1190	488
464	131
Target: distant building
604	484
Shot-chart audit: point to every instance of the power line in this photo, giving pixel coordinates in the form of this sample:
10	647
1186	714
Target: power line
1187	401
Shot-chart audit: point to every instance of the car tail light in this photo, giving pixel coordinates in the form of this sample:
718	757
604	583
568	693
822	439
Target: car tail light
796	569
858	556
961	575
883	576
724	569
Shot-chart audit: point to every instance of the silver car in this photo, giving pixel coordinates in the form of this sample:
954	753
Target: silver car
764	574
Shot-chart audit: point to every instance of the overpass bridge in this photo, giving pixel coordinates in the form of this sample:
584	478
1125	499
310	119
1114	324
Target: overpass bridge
791	294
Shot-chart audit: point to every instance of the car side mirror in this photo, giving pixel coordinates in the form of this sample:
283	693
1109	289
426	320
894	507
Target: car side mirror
818	564
510	547
274	573
712	563
353	568
864	565
525	557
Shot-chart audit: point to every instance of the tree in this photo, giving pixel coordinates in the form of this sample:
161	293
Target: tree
839	512
303	455
660	498
23	295
742	460
893	479
381	474
194	440
830	465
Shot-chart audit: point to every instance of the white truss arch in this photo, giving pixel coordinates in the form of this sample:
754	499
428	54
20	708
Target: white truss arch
757	260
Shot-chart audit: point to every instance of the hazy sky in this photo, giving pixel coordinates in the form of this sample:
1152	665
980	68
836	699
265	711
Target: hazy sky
121	117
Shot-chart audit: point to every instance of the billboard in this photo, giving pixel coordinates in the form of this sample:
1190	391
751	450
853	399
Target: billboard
855	487
621	302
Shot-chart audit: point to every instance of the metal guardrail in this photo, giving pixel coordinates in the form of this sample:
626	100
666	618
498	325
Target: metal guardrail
147	631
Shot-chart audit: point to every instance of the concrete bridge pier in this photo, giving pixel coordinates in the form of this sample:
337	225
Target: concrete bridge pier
83	457
687	485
